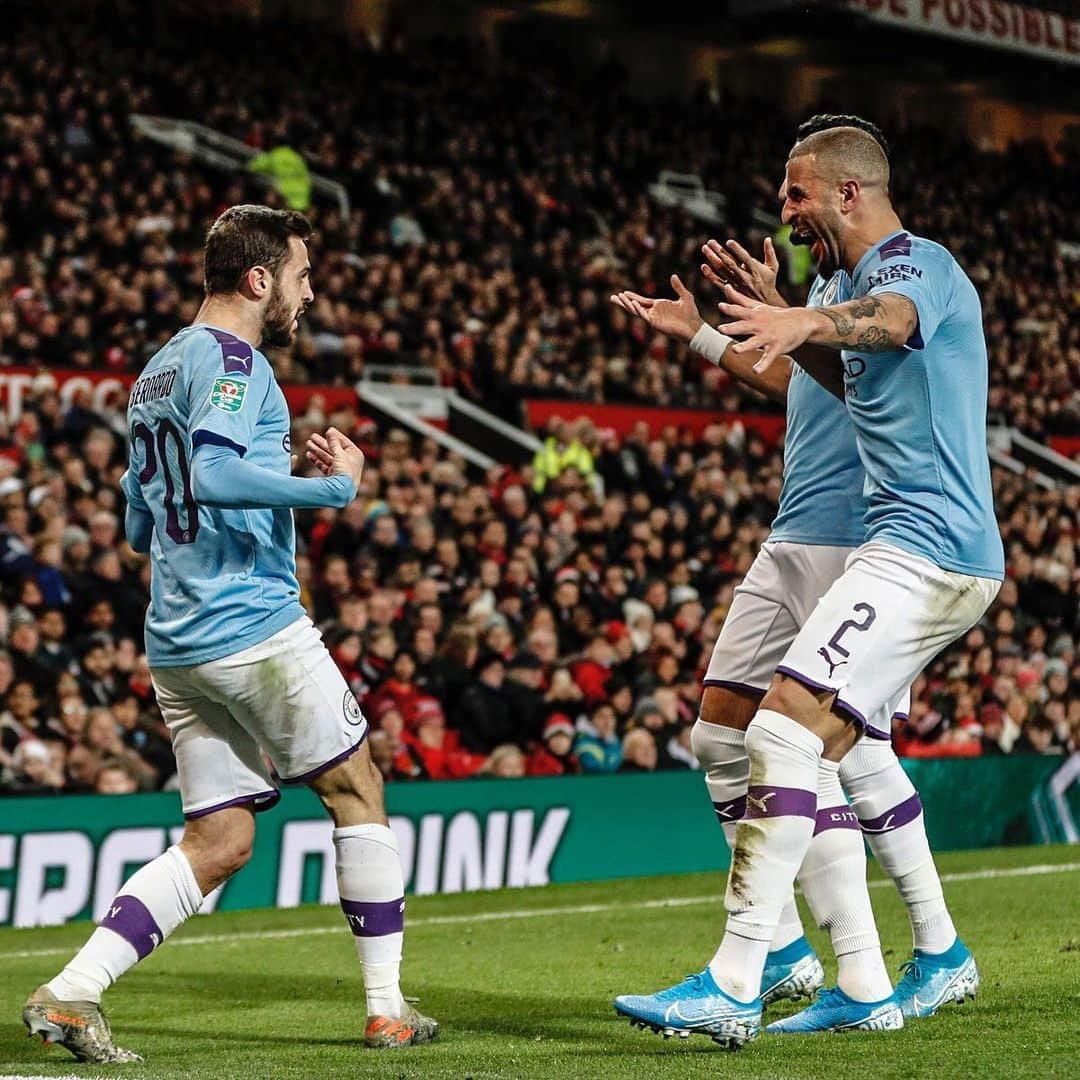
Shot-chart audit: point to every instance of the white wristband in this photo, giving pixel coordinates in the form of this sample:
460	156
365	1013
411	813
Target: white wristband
710	343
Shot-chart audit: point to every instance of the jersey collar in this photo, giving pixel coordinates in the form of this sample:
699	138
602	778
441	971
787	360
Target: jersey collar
873	250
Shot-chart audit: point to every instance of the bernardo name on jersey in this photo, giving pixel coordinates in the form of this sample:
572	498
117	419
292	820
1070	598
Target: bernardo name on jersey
223	563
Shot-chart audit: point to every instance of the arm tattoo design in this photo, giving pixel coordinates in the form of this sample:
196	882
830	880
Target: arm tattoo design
844	326
864	324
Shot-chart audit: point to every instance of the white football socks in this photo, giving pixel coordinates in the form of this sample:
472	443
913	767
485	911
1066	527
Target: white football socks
833	880
789	928
891	818
771	841
151	904
372	891
722	753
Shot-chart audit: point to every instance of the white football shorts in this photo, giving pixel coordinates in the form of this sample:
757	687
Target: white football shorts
883	620
283	700
771	605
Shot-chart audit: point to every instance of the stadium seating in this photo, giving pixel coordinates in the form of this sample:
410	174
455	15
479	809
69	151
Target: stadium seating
490	217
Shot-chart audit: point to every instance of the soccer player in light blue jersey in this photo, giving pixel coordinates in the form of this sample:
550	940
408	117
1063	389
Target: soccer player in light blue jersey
240	673
942	968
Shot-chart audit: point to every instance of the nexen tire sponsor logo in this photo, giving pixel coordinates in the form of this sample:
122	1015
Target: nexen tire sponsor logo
890	274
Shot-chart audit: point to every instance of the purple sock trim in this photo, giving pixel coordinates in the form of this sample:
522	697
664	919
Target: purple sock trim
373	918
730	811
765	801
129	917
905	812
836	817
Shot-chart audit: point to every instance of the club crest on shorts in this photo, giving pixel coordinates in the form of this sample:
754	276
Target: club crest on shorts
228	395
351	708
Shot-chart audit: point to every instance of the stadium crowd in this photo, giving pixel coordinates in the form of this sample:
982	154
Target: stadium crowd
494	207
513	624
485	626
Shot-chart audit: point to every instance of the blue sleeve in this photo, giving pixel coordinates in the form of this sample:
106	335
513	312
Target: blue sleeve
138	521
227	388
925	278
220	477
138	528
132	491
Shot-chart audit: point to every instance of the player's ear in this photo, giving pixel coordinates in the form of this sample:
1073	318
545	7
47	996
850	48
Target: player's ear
849	195
259	281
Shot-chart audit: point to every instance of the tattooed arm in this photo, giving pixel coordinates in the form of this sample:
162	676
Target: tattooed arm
874	323
870	324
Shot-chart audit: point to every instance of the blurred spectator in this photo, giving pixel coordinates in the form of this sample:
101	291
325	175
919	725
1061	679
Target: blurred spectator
597	746
33	771
506	762
104	738
487	261
484	716
554	756
564	450
639	751
116	777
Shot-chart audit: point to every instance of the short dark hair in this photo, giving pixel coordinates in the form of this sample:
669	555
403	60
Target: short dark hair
828	121
246	236
843	152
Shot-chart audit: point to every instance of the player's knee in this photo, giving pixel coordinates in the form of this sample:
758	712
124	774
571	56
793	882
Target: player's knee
232	857
790	697
728	707
709	745
703	743
214	862
773	738
871	772
865	760
759	742
218	845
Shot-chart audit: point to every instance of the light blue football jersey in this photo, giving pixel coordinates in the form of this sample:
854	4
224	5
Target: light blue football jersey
221	580
920	413
822	500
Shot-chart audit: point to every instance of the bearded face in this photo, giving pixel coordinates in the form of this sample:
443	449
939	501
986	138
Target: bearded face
279	325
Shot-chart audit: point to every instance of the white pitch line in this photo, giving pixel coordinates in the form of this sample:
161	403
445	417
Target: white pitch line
538	913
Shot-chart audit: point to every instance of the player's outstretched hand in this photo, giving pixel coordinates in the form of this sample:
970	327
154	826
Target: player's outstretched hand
334	454
773	330
677	318
734	265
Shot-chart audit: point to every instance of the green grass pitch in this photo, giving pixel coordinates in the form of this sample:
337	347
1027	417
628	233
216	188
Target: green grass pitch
522	982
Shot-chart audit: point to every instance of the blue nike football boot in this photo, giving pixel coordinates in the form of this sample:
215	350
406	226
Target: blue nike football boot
833	1010
934	979
792	972
696	1006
